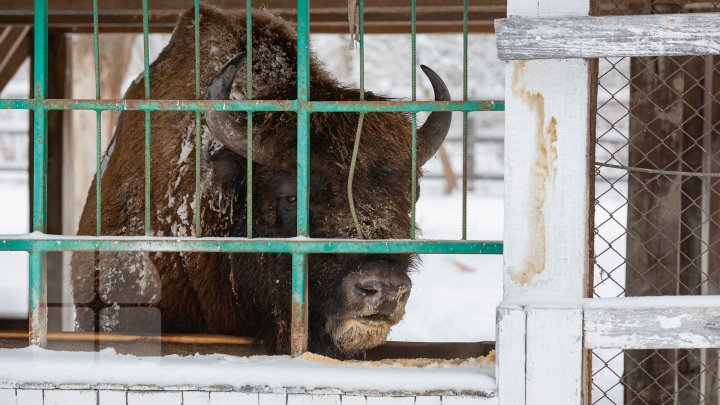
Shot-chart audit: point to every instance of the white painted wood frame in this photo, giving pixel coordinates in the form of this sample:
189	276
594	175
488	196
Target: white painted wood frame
665	322
549	139
608	36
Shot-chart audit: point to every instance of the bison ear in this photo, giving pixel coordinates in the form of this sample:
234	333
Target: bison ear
433	132
230	127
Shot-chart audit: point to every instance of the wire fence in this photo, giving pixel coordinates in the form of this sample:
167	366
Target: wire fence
657	207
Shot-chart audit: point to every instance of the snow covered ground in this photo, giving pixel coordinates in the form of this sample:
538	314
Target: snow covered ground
271	373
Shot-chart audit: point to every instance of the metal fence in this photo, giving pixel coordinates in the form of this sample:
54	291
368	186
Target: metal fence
40	245
656	207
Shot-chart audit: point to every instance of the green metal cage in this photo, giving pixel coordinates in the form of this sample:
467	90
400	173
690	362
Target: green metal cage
38	243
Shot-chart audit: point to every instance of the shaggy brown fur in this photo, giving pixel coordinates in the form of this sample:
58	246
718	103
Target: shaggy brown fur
244	293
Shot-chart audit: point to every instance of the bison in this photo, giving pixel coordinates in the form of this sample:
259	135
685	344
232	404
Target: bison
354	299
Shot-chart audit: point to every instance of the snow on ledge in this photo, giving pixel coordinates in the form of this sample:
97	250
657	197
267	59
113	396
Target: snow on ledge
34	366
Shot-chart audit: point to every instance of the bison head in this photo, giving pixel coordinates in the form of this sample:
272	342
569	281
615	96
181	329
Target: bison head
354	299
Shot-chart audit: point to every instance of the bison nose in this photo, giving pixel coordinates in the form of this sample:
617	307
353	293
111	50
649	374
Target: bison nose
377	288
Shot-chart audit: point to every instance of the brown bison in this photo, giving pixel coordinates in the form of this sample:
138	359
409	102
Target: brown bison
354	299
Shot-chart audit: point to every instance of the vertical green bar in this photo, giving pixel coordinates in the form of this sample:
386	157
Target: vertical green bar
465	120
148	143
413	180
249	96
299	325
198	213
303	127
98	123
298	329
38	315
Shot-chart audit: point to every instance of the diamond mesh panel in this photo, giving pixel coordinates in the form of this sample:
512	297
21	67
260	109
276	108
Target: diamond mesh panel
657	207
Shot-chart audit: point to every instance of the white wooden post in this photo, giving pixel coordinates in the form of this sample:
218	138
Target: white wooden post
549	128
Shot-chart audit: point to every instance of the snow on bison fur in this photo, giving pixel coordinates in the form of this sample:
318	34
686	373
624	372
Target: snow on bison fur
354	299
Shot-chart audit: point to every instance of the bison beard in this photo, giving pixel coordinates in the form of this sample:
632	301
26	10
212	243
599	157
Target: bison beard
354	300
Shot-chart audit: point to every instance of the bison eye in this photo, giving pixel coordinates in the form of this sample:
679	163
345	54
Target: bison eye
291	199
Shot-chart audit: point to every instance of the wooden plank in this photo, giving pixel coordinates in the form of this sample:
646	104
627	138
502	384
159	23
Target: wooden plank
272	399
652	327
58	75
710	382
307	399
70	397
608	36
547	149
188	344
432	350
7	396
14	49
691	243
143	344
468	400
378	400
196	398
554	356
29	397
664	241
112	397
510	363
233	398
427	400
326	15
154	398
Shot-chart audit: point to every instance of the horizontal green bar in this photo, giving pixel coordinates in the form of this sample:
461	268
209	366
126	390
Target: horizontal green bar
152	105
17	104
45	243
254	105
404	106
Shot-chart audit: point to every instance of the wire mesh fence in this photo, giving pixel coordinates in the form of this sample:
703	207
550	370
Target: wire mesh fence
657	207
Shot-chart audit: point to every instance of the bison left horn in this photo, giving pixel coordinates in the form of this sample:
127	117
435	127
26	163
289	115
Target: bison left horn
432	134
229	127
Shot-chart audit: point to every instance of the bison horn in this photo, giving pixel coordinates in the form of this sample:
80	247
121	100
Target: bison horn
229	127
432	134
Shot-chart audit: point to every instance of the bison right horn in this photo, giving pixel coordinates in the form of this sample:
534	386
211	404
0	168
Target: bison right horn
229	127
433	132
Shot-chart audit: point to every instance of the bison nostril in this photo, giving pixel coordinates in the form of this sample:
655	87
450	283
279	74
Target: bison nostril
369	288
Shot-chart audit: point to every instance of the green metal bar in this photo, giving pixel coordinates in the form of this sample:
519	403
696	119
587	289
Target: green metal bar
249	95
41	244
465	120
148	136
413	48
413	141
361	40
38	296
299	324
198	214
37	315
255	105
19	104
98	123
298	327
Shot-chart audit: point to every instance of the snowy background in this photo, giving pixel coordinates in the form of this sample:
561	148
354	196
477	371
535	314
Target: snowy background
454	296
